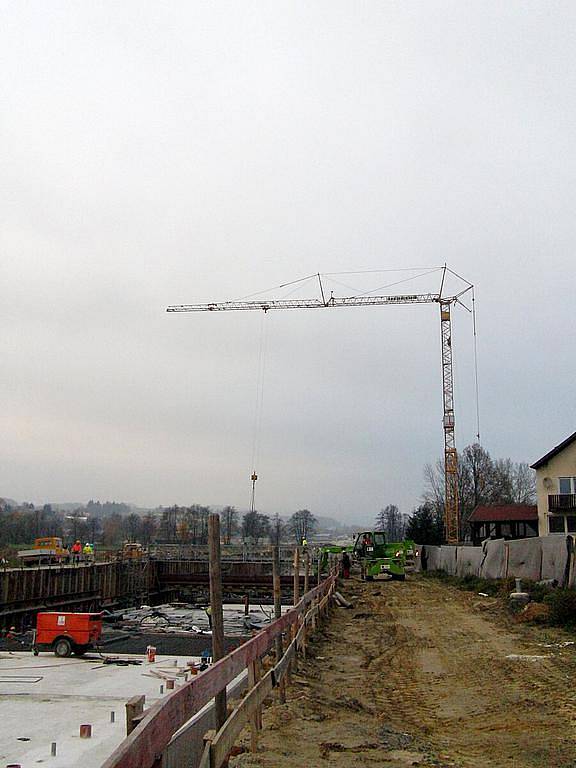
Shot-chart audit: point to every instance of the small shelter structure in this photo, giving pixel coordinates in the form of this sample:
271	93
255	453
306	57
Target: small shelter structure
503	521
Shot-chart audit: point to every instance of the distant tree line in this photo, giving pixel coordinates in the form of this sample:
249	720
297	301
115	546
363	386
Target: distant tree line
103	509
22	524
111	523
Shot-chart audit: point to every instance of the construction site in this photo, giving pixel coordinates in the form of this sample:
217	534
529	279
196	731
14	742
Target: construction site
340	653
361	671
287	470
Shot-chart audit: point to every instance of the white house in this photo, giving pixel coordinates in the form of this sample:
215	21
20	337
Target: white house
556	488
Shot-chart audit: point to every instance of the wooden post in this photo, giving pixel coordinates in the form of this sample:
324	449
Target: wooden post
296	575
278	612
319	566
258	670
216	608
252	680
306	572
295	626
134	709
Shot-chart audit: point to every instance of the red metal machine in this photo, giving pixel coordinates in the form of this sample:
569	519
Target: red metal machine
66	633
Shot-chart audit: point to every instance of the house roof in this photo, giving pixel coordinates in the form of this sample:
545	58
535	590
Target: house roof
557	449
503	512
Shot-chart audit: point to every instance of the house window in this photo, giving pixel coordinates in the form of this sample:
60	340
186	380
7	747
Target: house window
571	522
556	523
567	485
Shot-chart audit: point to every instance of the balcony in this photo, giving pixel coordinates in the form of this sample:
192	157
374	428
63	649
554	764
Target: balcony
562	502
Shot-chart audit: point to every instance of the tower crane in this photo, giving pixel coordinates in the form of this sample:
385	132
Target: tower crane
445	304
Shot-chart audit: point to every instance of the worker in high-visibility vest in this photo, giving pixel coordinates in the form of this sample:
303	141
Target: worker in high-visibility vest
88	551
76	551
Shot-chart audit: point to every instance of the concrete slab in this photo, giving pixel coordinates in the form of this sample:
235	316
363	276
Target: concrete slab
45	699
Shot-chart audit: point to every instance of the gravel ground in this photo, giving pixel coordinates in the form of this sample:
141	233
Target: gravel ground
421	674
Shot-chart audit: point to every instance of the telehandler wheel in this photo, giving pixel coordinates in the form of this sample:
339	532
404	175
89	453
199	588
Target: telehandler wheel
399	576
369	578
62	647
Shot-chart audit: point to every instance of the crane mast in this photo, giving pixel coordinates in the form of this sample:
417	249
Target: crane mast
451	502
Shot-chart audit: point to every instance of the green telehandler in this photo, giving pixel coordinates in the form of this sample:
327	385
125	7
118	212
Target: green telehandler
378	557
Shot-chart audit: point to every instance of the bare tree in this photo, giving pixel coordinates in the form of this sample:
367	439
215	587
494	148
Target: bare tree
229	519
392	522
277	530
481	480
524	484
149	526
255	526
169	524
302	524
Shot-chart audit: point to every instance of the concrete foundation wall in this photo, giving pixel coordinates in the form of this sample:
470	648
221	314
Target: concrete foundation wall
83	587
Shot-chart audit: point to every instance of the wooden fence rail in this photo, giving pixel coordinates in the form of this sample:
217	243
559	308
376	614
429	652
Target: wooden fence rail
143	748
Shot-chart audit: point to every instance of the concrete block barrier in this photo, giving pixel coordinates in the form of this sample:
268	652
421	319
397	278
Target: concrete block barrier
468	561
493	564
447	558
536	558
431	558
525	559
556	555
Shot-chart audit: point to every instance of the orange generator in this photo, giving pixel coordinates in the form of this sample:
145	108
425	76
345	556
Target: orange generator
66	633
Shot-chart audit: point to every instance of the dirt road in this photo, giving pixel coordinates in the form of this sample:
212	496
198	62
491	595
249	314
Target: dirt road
418	674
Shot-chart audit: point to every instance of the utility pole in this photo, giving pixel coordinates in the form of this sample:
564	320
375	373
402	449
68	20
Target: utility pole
216	608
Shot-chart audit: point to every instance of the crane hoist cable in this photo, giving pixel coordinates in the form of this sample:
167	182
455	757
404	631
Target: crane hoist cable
258	405
474	328
294	286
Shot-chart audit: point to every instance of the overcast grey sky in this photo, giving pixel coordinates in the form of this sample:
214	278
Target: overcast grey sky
160	153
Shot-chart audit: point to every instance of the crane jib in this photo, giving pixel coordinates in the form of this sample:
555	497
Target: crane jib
345	301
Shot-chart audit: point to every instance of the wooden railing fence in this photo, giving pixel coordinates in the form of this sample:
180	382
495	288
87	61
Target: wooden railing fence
143	748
